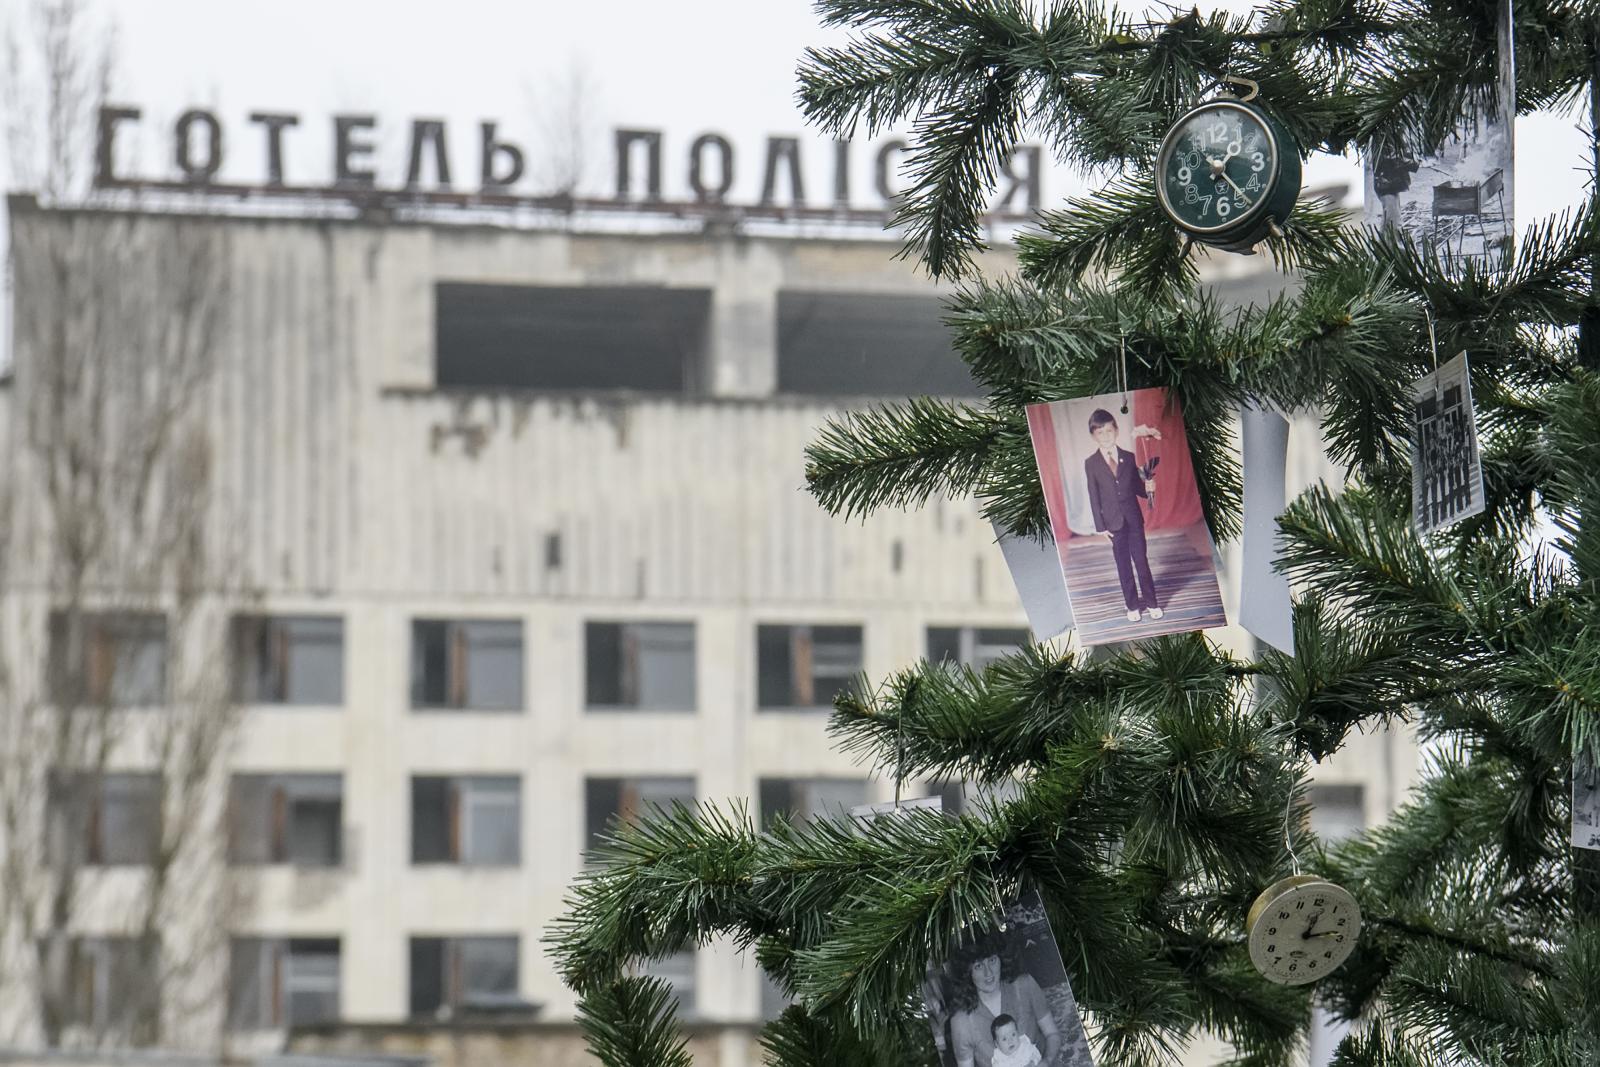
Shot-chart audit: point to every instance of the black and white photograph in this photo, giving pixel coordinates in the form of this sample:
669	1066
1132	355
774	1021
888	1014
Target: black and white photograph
1456	200
1585	804
1119	484
1446	467
1002	998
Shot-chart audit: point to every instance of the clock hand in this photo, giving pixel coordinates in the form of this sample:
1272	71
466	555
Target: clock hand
1230	181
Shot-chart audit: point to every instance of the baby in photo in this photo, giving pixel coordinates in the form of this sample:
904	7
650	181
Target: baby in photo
1012	1048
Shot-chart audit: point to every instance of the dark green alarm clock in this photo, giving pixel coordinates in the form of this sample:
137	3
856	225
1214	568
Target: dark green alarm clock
1228	174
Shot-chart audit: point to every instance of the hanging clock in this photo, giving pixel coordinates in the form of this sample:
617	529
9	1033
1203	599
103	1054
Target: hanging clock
1228	173
1301	928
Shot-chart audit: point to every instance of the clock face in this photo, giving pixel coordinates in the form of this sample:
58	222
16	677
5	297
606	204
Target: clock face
1301	929
1217	167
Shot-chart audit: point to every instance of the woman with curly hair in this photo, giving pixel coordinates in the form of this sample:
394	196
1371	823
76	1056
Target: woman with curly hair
986	982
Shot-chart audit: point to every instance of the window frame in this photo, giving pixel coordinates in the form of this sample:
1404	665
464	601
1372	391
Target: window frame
77	807
794	630
286	791
457	655
969	648
272	629
625	628
458	832
451	977
104	631
275	980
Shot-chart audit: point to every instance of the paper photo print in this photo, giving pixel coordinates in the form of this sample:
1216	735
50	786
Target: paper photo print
1585	804
1124	506
1446	468
1457	201
1002	998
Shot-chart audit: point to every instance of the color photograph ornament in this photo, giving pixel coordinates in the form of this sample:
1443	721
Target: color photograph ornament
1301	928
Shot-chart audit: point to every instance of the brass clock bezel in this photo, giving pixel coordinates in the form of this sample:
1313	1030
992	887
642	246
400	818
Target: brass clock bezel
1292	886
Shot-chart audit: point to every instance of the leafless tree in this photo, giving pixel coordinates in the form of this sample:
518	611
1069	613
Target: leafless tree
564	110
114	584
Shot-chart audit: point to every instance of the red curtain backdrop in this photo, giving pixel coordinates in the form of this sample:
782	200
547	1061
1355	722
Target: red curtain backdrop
1042	431
1177	493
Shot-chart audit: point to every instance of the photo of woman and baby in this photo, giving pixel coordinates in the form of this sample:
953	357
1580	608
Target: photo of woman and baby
1002	998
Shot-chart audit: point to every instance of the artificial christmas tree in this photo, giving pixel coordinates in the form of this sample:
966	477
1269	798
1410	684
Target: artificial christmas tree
1160	786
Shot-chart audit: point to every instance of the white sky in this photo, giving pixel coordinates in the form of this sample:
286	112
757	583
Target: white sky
685	68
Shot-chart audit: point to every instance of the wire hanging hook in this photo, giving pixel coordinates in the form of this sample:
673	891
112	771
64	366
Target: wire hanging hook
1288	838
1245	83
1433	337
1123	371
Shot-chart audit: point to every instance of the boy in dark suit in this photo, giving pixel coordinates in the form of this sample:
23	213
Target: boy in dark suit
1115	488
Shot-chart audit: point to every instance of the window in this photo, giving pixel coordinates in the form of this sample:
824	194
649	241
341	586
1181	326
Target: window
610	799
104	984
474	665
475	822
805	666
645	339
647	665
288	659
973	646
804	799
677	971
103	819
114	659
867	344
282	982
453	975
286	818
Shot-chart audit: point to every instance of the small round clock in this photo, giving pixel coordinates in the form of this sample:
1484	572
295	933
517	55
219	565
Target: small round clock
1301	928
1228	174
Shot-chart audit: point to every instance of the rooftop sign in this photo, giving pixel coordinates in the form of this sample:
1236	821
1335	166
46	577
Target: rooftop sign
200	140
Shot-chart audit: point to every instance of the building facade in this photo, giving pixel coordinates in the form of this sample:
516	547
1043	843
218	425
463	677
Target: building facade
522	518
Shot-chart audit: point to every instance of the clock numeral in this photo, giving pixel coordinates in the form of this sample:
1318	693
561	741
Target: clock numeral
1339	940
1300	905
1216	132
1318	903
1272	929
1327	955
1283	915
1184	174
1311	966
1294	966
1258	161
1252	183
1272	948
1342	922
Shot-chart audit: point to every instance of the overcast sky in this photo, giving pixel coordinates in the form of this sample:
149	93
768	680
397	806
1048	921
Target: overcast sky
685	68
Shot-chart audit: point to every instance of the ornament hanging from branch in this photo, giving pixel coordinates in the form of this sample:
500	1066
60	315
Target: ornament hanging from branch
1228	173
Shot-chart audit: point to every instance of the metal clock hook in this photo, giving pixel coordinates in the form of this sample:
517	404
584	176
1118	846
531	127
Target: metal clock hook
1253	87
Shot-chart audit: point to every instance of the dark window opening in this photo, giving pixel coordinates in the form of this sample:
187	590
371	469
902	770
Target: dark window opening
110	659
802	799
469	665
646	665
867	344
104	985
471	821
464	975
805	666
282	982
286	818
610	800
646	339
973	646
103	819
288	659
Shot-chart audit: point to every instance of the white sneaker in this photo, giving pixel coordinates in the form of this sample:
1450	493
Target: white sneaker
1133	616
1156	613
